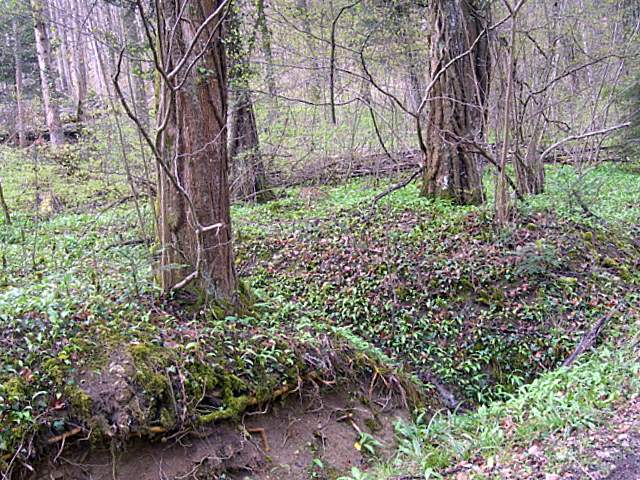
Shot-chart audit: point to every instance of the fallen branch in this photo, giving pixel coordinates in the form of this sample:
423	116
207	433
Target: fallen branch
589	339
397	186
594	133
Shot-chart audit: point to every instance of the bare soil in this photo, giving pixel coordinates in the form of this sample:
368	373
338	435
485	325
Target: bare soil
313	436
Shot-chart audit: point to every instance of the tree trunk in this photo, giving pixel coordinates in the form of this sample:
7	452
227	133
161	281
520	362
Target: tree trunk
265	47
5	208
249	173
60	51
135	70
530	170
79	62
195	222
456	104
50	95
316	83
17	48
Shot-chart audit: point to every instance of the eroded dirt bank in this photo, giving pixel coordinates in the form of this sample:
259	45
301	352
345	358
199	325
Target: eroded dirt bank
301	437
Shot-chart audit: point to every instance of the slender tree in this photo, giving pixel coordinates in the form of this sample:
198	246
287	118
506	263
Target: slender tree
456	103
50	95
4	206
17	58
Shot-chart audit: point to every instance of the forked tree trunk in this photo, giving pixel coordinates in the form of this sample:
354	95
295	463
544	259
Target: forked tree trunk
195	223
50	95
456	104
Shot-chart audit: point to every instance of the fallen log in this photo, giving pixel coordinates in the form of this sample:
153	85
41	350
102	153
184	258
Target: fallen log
589	339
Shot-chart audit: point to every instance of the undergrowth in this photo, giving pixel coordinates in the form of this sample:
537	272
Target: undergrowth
411	283
556	404
476	309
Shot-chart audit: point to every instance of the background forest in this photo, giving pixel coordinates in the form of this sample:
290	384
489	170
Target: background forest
360	239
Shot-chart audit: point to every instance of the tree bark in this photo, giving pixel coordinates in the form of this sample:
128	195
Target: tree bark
265	47
248	171
50	95
17	57
530	170
61	50
457	102
195	222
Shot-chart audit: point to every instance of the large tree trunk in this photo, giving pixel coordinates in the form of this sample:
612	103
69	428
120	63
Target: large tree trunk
17	57
195	223
248	171
50	95
456	103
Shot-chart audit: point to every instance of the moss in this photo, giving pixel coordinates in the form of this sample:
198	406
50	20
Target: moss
54	369
587	236
79	401
235	407
150	362
167	418
15	388
373	425
610	262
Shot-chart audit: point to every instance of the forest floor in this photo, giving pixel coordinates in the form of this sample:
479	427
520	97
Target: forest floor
364	312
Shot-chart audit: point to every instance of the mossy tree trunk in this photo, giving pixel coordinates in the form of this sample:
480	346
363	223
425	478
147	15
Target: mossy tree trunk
456	105
195	223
